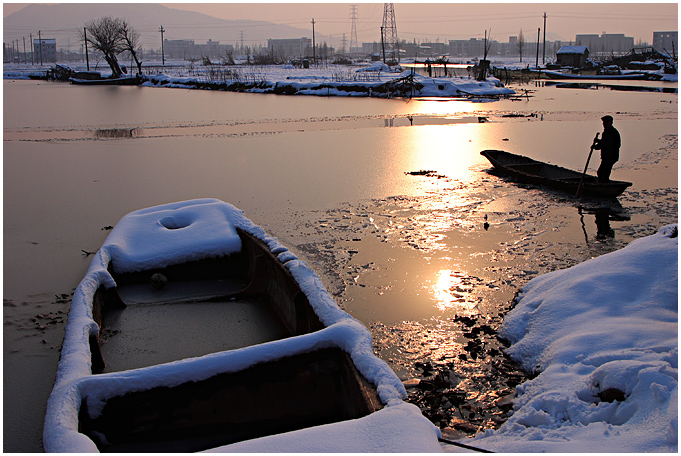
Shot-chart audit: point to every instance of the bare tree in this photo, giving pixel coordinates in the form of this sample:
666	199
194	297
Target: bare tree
111	36
521	44
131	43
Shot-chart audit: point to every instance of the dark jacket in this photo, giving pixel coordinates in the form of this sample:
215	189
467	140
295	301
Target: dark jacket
609	145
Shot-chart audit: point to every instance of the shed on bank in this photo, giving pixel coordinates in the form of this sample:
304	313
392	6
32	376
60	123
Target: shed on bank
572	56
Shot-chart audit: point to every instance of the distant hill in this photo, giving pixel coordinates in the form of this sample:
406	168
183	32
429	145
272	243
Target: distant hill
62	22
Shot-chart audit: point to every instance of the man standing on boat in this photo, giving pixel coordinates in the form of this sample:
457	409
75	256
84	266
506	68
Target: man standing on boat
609	145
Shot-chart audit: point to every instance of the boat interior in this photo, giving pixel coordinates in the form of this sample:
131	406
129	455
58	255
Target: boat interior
209	306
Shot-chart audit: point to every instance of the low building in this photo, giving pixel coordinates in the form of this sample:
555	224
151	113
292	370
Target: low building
45	50
472	47
607	43
188	49
667	42
572	56
290	47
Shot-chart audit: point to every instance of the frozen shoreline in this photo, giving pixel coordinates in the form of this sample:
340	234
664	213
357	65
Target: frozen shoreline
602	336
376	80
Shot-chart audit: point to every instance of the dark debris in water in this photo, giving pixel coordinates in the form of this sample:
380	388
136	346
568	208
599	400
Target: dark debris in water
473	391
427	173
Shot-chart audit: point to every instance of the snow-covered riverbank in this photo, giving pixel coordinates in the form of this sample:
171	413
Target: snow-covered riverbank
376	80
603	338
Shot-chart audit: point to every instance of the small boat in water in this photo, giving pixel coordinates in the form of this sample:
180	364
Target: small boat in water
194	330
615	77
530	171
123	81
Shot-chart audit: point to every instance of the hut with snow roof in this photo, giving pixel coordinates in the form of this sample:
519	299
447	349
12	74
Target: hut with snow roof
572	56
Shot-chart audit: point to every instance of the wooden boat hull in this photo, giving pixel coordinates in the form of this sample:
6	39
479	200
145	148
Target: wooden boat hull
629	76
128	81
306	377
529	171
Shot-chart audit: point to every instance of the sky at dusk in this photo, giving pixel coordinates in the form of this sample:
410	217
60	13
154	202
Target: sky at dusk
452	20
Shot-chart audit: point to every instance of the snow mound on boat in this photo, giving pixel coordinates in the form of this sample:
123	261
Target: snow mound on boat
171	234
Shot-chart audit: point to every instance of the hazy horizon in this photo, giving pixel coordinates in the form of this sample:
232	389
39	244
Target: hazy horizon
447	21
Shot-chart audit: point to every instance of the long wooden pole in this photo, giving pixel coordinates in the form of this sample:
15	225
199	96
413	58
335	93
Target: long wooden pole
581	182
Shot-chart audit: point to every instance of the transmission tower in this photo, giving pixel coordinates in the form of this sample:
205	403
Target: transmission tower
353	32
389	30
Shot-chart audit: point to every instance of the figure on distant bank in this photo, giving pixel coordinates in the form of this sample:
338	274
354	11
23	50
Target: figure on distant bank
609	145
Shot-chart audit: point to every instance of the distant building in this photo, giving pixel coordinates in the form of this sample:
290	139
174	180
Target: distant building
371	48
291	47
467	48
607	43
433	49
45	50
188	49
572	56
666	42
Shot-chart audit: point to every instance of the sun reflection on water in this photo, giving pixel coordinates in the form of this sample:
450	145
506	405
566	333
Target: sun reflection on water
451	290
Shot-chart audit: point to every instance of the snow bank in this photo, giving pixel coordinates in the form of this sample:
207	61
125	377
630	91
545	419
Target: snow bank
192	230
604	337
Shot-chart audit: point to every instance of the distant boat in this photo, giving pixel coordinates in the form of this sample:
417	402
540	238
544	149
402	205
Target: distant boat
626	76
531	171
193	276
128	80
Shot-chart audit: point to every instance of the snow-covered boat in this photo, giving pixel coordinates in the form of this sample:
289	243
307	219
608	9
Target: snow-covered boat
127	80
530	171
626	76
275	364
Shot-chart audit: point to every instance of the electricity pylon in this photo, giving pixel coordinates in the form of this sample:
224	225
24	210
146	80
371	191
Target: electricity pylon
390	32
353	32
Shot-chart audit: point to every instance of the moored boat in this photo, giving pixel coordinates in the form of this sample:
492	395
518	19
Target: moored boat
123	81
625	76
530	171
193	329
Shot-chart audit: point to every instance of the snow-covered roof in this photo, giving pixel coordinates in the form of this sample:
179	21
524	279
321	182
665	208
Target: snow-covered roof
573	50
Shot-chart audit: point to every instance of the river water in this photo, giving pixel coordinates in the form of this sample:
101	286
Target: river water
429	261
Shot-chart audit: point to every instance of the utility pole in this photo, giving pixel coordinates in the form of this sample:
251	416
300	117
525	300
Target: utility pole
382	44
87	58
543	60
536	63
163	54
314	55
30	38
40	43
24	40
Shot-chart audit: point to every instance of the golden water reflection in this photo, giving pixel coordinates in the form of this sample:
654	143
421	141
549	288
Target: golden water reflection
451	292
